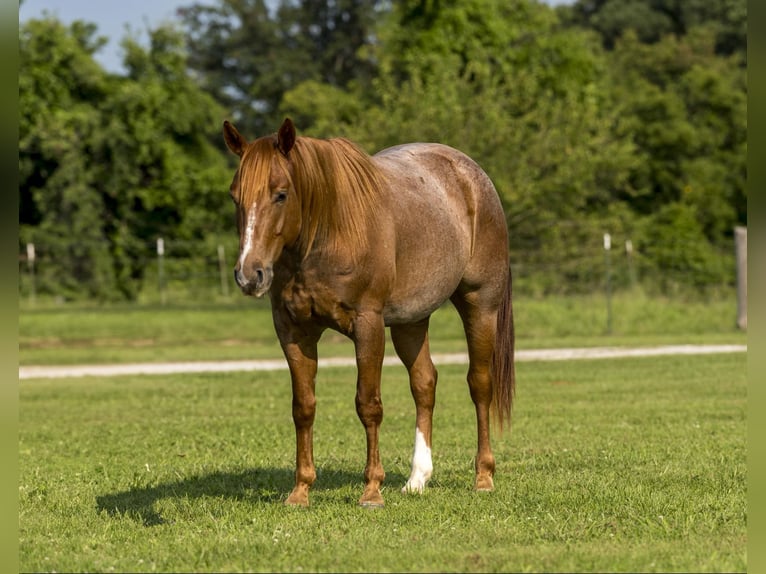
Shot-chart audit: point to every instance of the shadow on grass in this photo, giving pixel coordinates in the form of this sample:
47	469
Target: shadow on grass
271	485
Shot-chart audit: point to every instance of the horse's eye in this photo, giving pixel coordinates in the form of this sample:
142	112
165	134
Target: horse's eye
280	196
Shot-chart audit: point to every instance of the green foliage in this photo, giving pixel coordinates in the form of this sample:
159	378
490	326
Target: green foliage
676	252
686	111
653	20
322	108
163	176
578	141
502	82
248	56
60	86
619	116
107	164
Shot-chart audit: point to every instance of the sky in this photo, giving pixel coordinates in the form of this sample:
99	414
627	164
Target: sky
112	17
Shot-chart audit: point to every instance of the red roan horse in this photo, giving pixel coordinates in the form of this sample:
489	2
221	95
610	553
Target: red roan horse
356	243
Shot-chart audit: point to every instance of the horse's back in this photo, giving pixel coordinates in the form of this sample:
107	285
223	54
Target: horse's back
434	171
450	227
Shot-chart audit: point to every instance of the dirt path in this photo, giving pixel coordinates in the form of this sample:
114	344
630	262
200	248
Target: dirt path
56	372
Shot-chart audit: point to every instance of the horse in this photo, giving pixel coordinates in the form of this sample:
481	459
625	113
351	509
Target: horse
356	243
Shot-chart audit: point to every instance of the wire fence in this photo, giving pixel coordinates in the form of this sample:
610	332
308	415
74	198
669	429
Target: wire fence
180	271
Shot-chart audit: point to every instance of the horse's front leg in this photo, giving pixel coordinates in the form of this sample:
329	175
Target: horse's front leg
300	350
370	341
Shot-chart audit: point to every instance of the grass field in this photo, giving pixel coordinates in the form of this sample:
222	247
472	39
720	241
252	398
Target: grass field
611	465
243	330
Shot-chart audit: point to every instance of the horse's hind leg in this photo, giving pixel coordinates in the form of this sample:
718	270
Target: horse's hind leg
411	344
480	323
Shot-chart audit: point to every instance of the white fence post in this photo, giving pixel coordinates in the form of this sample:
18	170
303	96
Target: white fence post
740	237
608	266
31	266
161	268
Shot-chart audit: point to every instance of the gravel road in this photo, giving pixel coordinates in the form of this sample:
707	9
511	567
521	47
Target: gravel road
57	372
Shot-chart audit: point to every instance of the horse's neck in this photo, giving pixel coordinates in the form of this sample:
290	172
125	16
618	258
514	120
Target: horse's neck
319	262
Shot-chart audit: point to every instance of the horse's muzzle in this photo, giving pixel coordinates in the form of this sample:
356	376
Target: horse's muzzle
257	285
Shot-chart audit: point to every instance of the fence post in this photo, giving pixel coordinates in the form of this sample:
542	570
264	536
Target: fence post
608	265
631	263
161	268
222	271
31	266
740	237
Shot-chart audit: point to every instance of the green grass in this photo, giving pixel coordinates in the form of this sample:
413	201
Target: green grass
243	330
612	465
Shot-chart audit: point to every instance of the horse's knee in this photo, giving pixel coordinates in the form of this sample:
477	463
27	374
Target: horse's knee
304	411
370	411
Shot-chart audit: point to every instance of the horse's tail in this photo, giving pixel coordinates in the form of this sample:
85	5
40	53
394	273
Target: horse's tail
503	370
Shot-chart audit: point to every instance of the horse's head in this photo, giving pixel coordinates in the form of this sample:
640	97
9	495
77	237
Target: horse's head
268	210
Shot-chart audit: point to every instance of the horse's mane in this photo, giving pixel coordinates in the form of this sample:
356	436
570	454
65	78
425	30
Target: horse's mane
337	183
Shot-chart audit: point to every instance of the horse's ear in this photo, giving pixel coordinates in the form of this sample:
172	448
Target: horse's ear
286	137
234	140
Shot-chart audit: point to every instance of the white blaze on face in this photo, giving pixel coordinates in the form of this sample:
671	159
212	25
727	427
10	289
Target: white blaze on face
422	466
249	231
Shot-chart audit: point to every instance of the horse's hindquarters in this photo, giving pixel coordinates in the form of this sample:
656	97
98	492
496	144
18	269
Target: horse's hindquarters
449	227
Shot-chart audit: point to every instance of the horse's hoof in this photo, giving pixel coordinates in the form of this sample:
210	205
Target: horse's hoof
413	488
298	497
416	484
372	500
484	483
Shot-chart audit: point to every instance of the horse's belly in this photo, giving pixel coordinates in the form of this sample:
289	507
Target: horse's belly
428	272
416	306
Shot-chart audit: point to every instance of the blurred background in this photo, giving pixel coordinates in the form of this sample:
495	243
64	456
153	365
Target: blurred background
614	130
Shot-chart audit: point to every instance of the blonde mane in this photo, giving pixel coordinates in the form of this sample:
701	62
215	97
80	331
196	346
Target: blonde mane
337	184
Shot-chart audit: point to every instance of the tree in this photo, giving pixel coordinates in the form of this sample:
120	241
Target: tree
686	110
333	35
161	174
651	20
60	211
645	139
247	57
678	75
109	163
578	141
502	82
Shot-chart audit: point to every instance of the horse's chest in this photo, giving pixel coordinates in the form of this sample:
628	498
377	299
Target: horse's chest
316	304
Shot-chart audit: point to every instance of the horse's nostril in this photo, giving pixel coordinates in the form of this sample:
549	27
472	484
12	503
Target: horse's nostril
258	276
